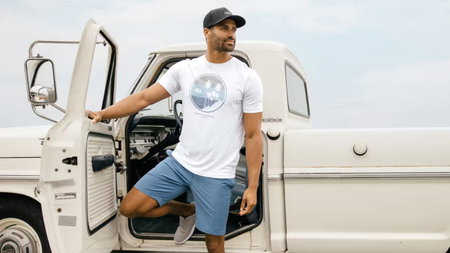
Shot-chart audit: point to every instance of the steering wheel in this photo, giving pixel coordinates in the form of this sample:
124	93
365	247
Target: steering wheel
177	116
171	139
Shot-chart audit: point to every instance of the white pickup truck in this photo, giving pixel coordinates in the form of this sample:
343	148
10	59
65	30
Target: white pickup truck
321	191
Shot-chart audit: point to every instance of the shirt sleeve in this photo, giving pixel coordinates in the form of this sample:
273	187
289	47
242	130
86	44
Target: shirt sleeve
171	79
253	94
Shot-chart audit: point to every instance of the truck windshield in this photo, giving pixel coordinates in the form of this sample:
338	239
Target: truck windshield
138	80
163	107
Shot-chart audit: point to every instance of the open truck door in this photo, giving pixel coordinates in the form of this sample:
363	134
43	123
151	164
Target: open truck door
77	187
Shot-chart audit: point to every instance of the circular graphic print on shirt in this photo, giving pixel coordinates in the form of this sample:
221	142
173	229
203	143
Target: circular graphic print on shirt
208	93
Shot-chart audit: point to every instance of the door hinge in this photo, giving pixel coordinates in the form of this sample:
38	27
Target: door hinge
70	160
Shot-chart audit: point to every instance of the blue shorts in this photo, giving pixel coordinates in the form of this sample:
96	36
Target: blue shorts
169	179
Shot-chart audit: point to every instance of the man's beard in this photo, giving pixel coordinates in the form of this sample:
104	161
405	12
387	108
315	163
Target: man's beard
220	46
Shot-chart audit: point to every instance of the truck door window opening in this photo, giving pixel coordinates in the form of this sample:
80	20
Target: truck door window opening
103	72
144	131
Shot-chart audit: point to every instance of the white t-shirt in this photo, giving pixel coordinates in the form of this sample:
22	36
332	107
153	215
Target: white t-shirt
215	96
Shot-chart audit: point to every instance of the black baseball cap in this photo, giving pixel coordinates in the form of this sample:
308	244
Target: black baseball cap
218	15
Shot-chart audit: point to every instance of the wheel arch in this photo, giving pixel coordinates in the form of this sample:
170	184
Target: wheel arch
19	189
26	212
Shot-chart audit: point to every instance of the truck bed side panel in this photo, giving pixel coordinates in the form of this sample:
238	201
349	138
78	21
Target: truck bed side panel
394	198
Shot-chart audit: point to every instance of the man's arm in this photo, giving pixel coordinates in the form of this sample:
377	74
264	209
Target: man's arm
253	142
132	104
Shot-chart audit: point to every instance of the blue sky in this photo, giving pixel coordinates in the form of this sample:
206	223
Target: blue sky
369	63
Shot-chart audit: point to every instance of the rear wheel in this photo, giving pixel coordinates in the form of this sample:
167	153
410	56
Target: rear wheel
21	226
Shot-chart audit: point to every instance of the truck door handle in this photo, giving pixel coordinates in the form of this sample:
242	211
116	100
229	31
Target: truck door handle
101	162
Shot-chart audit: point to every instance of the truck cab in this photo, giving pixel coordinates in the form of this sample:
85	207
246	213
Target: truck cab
342	190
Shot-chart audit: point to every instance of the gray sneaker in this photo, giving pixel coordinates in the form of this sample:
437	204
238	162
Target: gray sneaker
185	229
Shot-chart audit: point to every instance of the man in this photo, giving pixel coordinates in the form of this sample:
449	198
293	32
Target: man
222	101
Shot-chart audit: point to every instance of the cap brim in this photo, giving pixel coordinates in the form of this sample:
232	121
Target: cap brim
240	21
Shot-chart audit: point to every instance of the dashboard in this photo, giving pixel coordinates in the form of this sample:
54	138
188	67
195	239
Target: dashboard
148	132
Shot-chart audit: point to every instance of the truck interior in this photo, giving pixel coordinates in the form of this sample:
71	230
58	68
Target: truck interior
148	137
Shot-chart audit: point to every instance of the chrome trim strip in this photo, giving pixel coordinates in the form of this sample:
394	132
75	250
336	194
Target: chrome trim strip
194	236
24	157
19	177
160	235
369	175
275	177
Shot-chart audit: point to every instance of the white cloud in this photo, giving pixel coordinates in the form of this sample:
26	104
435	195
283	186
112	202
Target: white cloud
306	15
413	95
314	16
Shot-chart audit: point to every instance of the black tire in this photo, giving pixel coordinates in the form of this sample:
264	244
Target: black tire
27	210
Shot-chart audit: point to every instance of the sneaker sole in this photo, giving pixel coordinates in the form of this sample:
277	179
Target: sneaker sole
189	236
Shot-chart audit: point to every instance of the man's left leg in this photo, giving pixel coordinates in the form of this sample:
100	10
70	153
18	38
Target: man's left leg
212	204
215	244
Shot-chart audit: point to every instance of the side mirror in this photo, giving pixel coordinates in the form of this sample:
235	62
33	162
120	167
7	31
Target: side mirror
42	95
41	85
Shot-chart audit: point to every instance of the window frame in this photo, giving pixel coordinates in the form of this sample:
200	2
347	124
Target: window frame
287	65
108	98
108	95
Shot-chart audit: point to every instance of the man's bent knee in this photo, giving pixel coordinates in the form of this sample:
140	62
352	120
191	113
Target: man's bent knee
215	244
136	204
127	210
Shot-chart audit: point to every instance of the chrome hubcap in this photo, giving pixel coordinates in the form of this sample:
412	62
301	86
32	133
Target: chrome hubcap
16	236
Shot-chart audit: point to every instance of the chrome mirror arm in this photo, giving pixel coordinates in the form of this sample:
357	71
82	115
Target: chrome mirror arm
40	115
30	51
44	117
59	108
38	56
